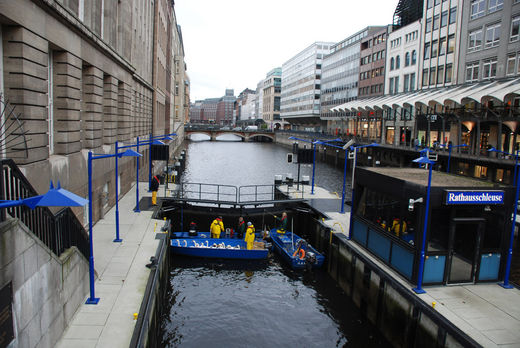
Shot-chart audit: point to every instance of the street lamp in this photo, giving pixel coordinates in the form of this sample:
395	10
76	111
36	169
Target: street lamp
150	141
128	153
424	160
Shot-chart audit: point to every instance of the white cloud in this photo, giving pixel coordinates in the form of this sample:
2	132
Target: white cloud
234	43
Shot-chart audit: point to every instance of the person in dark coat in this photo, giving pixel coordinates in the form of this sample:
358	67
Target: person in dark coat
154	187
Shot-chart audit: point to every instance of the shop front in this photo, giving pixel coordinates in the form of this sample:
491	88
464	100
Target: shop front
466	233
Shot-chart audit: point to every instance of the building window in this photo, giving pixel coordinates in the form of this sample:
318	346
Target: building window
436	22
426	51
478	8
412	82
392	64
396	84
511	61
406	82
451	43
440	74
472	72
397	62
432	75
414	57
449	69
391	85
489	68
407	59
453	15
444	18
515	28
425	77
429	3
429	25
475	40
434	48
442	46
495	5
493	35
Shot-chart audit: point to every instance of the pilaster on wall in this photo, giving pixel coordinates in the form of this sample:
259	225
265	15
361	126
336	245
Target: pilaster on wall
124	106
92	126
25	56
67	103
110	110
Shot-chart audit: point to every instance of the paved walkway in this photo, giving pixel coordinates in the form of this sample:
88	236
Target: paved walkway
122	277
488	313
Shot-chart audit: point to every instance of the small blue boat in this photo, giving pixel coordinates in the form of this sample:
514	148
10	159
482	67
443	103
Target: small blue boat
217	248
288	244
190	235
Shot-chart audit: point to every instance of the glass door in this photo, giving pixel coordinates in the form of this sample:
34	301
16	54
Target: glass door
464	247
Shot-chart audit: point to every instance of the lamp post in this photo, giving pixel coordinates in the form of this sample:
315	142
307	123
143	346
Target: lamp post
128	153
424	160
150	141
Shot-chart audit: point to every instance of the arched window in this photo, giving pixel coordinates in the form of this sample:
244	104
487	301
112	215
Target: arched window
397	62
392	63
414	57
407	59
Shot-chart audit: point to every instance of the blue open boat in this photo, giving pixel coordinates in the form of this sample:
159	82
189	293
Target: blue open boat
218	248
190	234
287	245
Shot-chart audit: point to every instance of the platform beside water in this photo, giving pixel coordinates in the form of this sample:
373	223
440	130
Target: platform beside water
487	313
121	276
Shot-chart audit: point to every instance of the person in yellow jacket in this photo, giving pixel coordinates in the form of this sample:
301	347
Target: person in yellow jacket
216	227
250	235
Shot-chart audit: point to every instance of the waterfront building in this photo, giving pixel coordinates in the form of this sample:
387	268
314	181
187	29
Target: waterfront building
259	102
272	88
301	87
245	105
225	105
196	112
209	108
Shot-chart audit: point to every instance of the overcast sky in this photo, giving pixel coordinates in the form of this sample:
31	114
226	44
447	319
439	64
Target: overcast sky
234	43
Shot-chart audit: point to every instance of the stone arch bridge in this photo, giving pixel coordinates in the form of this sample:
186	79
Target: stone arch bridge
245	135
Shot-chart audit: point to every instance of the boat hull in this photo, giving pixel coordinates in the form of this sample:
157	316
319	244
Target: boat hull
194	247
283	245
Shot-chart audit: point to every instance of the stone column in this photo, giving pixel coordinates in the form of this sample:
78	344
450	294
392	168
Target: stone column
92	107
110	119
26	58
67	103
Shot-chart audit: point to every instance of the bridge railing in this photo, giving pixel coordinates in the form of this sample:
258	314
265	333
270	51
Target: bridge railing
209	192
256	193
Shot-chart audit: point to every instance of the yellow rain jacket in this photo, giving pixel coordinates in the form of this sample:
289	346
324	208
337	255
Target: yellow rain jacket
216	227
250	236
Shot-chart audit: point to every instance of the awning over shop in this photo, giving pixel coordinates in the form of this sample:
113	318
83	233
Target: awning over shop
479	92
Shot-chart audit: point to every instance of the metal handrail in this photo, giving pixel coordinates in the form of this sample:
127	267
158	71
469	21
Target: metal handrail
204	189
256	194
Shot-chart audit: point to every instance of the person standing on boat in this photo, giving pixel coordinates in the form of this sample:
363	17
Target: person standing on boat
154	187
250	235
282	222
241	229
216	227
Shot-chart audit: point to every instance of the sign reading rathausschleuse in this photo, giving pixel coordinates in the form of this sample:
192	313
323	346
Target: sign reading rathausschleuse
474	197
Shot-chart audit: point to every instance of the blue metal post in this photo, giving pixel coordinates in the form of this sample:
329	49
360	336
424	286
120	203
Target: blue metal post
313	166
137	210
342	211
150	165
516	165
117	240
352	194
449	158
419	289
506	284
92	299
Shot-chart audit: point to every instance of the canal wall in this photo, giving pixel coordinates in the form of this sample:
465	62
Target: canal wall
40	292
402	318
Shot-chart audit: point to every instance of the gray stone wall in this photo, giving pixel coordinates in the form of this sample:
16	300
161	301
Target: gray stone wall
47	290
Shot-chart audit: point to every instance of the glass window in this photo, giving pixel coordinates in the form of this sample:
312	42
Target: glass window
427	51
437	2
412	82
407	59
453	15
449	69
432	75
392	64
440	74
391	85
489	68
414	57
425	77
444	18
515	28
493	35
405	83
397	62
434	48
428	25
495	5
472	72
442	46
475	40
478	8
436	22
511	61
451	43
430	4
396	84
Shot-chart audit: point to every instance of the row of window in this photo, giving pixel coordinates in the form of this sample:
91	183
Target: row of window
441	20
373	57
513	64
492	37
395	42
489	70
439	47
371	89
409	59
437	75
478	7
372	73
408	83
411	36
375	41
430	3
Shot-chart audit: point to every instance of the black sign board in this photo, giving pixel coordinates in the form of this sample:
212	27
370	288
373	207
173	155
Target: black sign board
160	152
6	315
305	156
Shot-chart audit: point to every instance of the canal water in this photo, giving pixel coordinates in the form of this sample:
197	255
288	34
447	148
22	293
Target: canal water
256	304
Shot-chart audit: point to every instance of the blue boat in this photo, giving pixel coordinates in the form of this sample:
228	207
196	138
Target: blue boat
190	234
218	248
288	244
